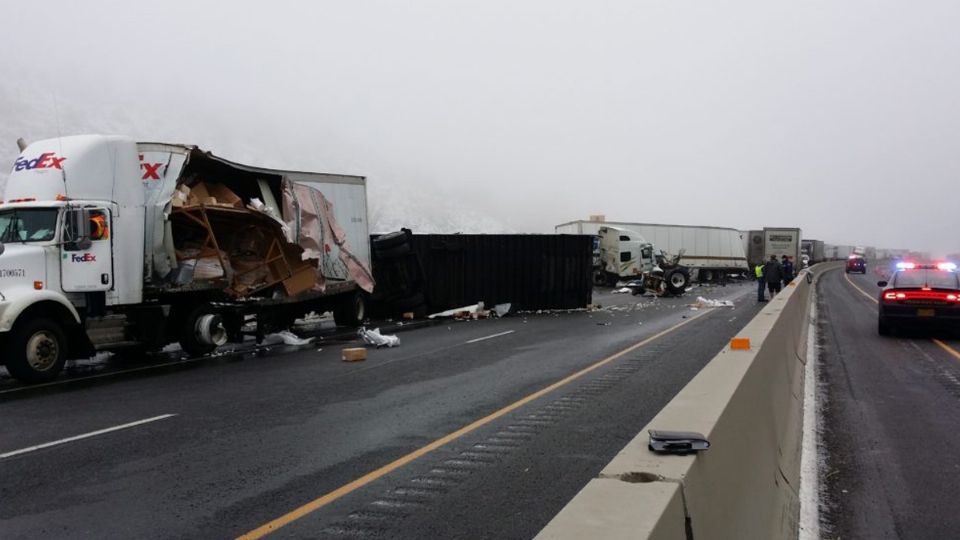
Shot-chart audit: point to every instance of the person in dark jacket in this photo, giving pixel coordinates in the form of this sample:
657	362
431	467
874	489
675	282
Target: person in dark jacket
787	265
773	273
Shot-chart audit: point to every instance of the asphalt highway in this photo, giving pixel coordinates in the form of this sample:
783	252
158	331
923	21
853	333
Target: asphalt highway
480	429
891	418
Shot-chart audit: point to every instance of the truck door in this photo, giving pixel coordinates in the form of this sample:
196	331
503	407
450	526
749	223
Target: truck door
88	267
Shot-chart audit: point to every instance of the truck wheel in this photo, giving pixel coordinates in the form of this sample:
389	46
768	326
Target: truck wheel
677	281
706	276
38	350
202	331
351	310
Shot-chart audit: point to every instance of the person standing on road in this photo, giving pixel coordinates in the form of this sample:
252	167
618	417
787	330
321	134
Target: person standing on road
761	283
787	265
773	274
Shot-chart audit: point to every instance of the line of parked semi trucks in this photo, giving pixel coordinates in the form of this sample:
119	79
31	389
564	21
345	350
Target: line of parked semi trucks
686	253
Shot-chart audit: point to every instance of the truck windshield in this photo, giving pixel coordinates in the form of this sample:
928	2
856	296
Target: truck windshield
28	224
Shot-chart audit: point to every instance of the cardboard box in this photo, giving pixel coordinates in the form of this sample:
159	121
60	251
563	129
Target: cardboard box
224	196
302	280
199	192
354	354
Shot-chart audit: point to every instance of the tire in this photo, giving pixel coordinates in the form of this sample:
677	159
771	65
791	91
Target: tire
351	310
706	276
677	281
187	335
409	303
38	350
883	327
393	252
390	240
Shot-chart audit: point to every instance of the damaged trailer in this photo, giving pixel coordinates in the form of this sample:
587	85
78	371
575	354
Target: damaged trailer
124	245
709	253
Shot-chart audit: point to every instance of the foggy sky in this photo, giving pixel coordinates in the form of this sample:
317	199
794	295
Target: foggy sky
842	118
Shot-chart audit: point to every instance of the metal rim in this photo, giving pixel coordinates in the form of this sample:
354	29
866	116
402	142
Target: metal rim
361	308
43	350
677	279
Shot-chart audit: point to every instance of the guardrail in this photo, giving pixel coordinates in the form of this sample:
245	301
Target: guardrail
749	404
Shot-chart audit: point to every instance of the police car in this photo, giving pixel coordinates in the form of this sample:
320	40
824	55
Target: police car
920	294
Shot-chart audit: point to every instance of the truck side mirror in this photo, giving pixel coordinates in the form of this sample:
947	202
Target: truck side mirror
78	229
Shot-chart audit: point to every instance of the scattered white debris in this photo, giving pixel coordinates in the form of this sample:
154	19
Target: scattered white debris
704	302
475	311
501	310
375	338
286	337
623	290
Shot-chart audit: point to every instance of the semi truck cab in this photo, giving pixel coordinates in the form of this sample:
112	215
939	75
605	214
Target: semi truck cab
59	262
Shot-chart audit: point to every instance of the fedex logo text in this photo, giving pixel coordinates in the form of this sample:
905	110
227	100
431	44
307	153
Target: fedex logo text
151	171
46	160
86	257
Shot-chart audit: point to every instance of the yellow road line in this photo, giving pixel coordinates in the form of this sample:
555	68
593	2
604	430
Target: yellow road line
953	352
345	489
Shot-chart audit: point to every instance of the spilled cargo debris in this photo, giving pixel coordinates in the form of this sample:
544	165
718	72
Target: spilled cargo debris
705	303
378	340
287	338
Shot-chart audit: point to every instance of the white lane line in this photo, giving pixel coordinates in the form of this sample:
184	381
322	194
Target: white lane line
491	337
85	436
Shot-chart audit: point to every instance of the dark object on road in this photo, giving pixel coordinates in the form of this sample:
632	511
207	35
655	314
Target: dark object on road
919	294
445	271
856	264
677	442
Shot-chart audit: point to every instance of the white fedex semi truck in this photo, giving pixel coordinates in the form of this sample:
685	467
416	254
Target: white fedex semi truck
109	244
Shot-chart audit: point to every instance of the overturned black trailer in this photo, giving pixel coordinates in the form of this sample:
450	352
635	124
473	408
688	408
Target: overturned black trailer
437	272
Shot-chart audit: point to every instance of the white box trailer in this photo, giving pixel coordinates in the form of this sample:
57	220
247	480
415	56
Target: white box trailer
839	252
708	250
780	241
107	244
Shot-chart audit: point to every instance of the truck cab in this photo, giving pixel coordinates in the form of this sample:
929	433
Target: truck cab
59	263
624	254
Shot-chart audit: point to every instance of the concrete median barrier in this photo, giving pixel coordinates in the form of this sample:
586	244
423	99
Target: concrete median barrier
749	404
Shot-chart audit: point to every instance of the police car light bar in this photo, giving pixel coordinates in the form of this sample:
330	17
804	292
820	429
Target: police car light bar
906	265
946	266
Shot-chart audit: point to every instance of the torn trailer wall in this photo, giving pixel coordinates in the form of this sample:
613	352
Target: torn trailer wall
529	271
249	231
